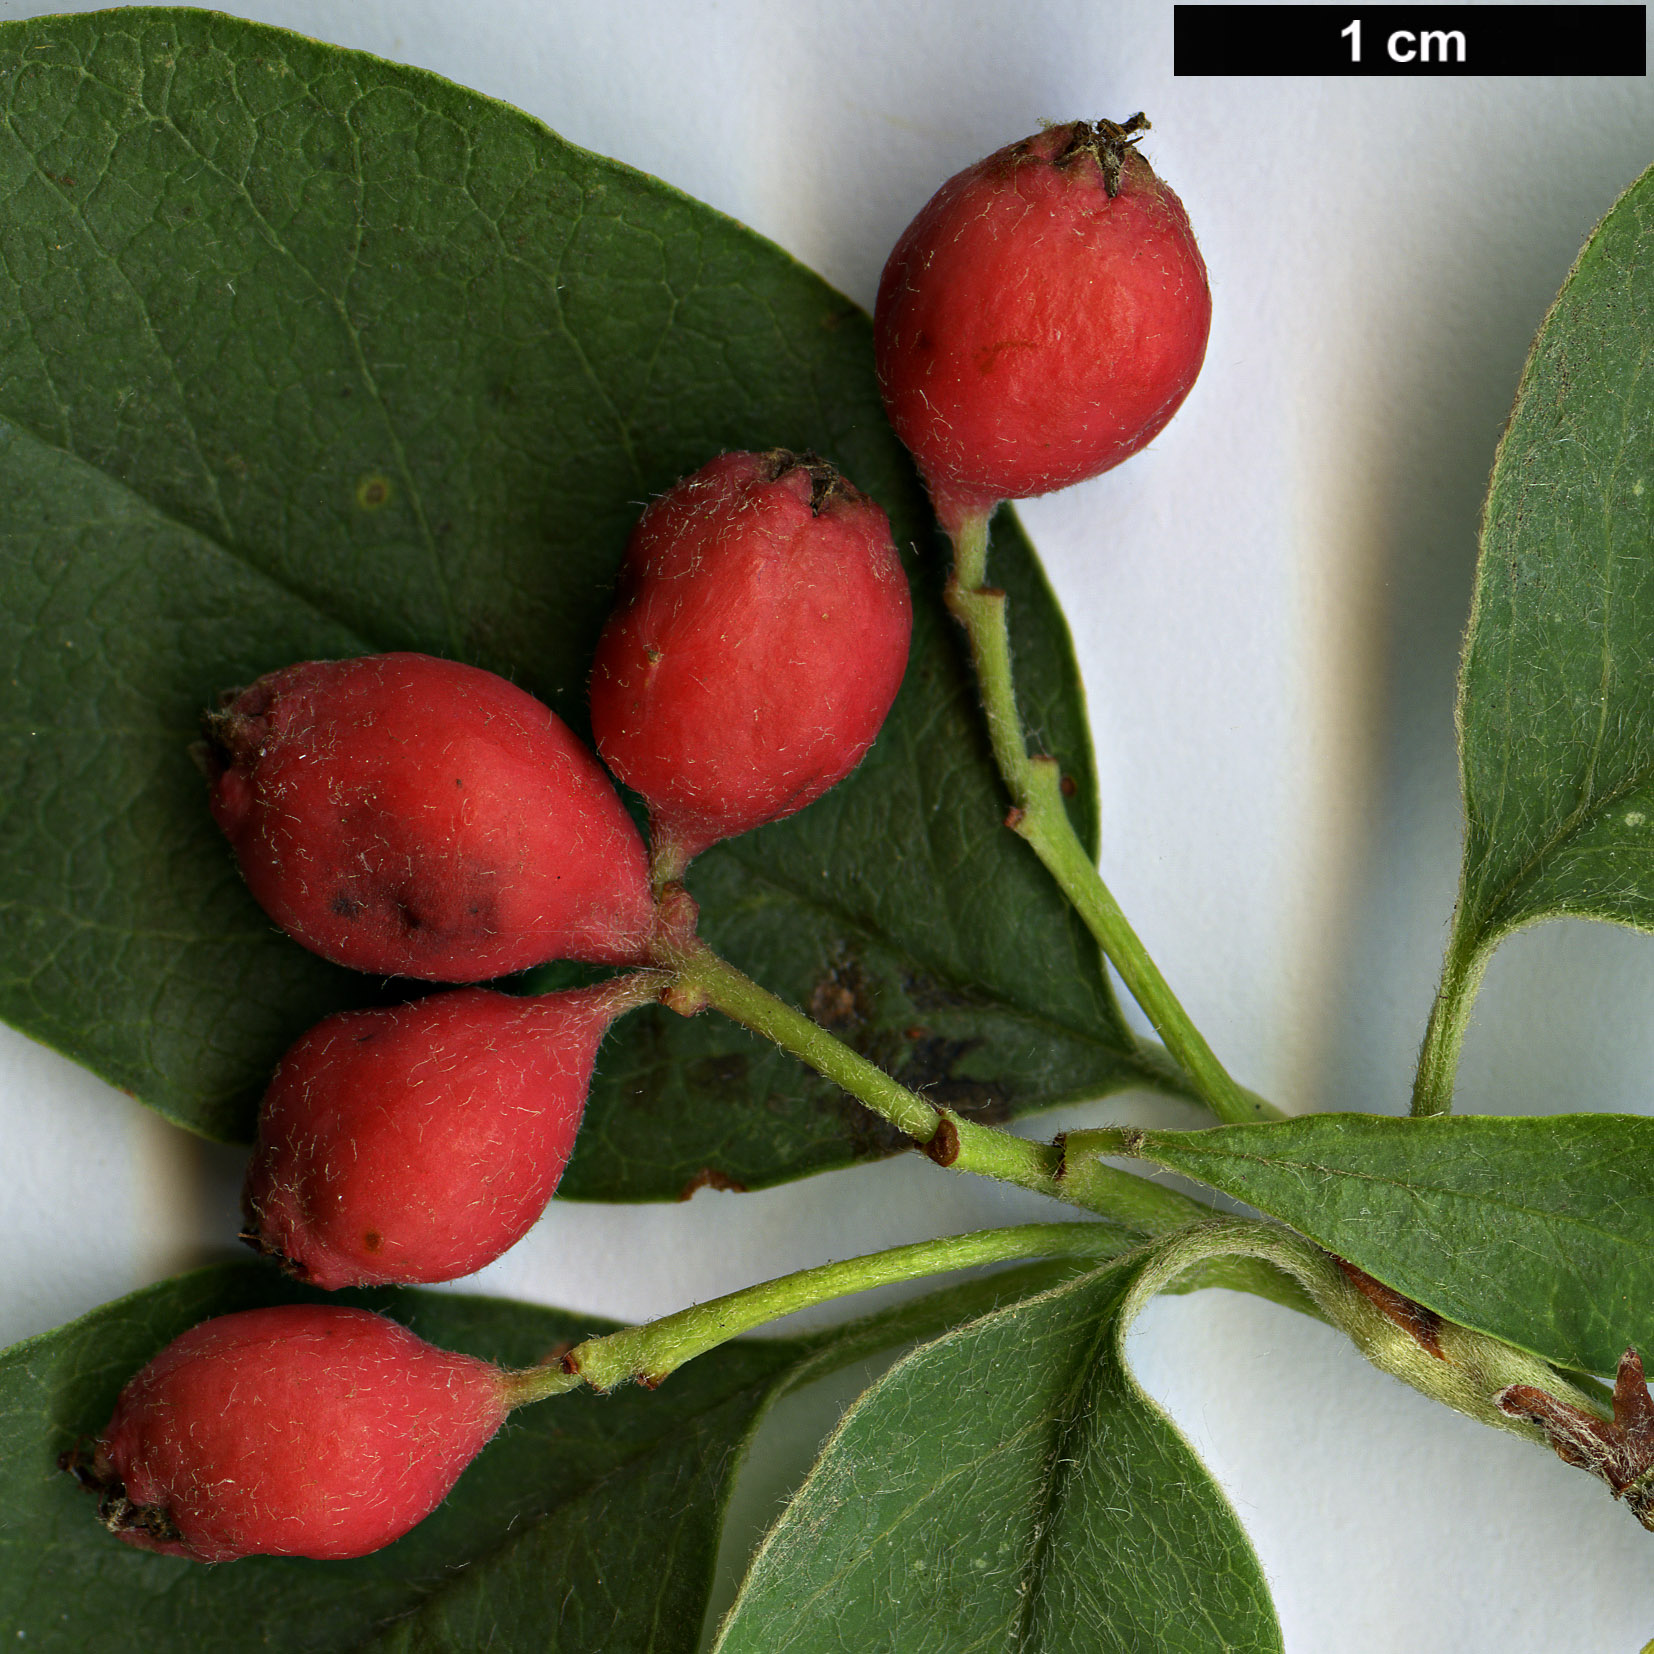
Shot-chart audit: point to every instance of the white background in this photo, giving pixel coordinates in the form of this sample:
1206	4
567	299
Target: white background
1267	605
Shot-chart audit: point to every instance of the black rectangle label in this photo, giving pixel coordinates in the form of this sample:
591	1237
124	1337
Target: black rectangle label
1410	40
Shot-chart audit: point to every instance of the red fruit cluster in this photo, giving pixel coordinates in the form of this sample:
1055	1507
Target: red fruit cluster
306	1430
417	817
1041	319
759	639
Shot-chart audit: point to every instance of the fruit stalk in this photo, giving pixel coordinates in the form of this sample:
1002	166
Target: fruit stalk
703	978
1457	1366
1040	817
648	1354
1145	1208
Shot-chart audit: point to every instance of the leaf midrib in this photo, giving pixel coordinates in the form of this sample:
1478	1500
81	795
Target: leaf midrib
1087	1374
167	518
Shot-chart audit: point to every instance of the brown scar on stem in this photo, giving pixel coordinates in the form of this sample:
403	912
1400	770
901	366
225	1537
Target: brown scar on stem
1422	1325
709	1177
1619	1451
943	1147
1014	817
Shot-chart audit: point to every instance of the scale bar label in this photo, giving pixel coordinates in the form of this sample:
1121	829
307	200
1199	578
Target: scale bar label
1410	40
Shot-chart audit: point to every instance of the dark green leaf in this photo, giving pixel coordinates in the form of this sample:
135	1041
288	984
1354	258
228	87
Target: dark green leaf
304	353
1008	1487
590	1524
1557	711
1537	1230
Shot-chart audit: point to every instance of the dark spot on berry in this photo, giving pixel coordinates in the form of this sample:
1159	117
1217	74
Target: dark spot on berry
373	1240
346	907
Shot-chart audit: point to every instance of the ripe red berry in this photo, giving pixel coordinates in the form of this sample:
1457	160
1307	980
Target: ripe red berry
419	1143
760	636
306	1430
416	817
1041	319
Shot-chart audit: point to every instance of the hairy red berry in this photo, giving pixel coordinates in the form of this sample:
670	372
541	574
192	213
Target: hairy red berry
1041	319
416	817
759	639
305	1430
418	1143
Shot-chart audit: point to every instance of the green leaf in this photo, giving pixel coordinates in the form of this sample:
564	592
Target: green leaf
1537	1230
590	1524
1008	1486
304	353
1557	690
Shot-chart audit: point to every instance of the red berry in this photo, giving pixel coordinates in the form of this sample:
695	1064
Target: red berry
416	817
306	1430
760	636
1041	319
419	1143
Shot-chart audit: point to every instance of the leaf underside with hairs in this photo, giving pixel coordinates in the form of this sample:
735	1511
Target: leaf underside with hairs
1008	1487
1557	689
303	353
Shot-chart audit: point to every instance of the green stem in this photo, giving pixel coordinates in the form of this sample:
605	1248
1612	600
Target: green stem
717	983
1040	817
705	978
1462	973
1087	1180
649	1353
1147	1209
1461	1368
1457	1366
630	991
